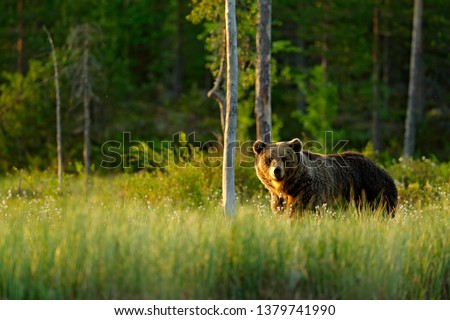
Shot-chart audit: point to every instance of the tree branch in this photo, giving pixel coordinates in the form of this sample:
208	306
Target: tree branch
215	92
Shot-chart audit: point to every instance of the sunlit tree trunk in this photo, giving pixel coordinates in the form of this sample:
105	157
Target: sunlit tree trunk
263	110
228	187
216	92
58	111
413	89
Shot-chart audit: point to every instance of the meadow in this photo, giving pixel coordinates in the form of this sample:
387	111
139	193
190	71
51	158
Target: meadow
162	235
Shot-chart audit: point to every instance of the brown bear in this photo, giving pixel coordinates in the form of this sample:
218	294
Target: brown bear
299	179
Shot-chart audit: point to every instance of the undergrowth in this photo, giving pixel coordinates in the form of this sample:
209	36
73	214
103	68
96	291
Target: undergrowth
162	235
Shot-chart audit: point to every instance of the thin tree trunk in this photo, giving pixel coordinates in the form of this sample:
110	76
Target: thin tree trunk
58	111
420	96
215	92
376	131
263	110
386	70
87	116
178	65
416	52
20	42
325	31
228	187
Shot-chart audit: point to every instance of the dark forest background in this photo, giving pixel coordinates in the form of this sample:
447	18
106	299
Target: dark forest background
152	63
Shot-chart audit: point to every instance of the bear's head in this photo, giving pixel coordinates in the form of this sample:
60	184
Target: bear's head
277	161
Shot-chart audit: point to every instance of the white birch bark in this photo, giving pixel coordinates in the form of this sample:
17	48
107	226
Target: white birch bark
228	186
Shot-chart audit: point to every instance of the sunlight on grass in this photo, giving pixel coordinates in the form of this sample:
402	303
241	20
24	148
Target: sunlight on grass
118	244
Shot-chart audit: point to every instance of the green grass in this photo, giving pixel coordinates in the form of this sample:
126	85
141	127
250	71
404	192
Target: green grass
132	238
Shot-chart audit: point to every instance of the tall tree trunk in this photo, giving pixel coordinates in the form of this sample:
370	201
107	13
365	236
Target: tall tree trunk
413	89
325	35
82	40
228	187
87	116
58	111
420	95
215	92
376	131
178	63
263	109
20	41
386	17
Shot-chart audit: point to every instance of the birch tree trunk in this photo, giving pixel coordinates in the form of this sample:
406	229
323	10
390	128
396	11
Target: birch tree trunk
228	187
87	116
215	92
263	110
416	53
58	110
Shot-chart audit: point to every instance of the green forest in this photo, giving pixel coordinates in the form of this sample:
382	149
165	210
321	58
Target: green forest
125	91
152	63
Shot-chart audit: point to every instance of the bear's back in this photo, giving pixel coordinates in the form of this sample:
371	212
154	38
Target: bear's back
367	178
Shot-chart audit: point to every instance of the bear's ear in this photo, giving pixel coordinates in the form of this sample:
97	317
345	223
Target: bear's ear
259	146
296	145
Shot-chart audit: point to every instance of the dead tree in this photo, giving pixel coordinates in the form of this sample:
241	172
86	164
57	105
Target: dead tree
58	110
376	132
82	42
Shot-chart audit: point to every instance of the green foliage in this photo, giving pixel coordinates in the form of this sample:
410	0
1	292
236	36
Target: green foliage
185	176
321	99
148	49
156	231
210	14
141	157
277	125
161	236
24	137
421	171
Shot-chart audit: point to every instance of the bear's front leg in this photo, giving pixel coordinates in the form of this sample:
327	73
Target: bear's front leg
278	204
291	206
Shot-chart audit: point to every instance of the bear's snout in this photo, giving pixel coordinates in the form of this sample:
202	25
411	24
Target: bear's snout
277	173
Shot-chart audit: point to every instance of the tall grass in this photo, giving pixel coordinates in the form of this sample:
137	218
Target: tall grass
163	236
119	243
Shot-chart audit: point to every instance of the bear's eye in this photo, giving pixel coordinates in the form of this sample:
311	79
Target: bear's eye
284	159
268	161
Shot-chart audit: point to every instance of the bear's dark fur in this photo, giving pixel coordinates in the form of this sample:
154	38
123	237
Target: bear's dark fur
305	180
